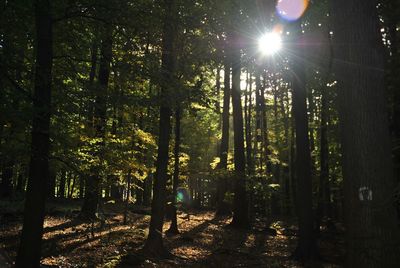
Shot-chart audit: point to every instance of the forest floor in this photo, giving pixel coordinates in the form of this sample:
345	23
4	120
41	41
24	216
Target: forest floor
205	241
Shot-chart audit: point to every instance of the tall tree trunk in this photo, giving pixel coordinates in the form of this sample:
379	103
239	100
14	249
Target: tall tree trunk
240	208
30	245
154	243
306	247
372	227
90	204
264	129
61	186
323	208
174	221
286	153
221	185
258	119
247	112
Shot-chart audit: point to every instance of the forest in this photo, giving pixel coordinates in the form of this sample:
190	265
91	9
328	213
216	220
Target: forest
204	133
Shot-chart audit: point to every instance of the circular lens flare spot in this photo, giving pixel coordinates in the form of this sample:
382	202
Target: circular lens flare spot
291	9
270	43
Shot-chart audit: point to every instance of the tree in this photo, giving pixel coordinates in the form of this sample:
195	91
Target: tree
173	229
32	231
240	209
223	164
372	228
89	208
306	247
154	243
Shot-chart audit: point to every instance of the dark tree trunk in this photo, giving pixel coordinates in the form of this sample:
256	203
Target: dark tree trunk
30	245
128	195
221	184
286	145
92	186
258	119
147	190
372	227
306	247
139	192
51	187
154	243
174	221
21	180
6	187
324	193
81	187
61	187
247	110
240	208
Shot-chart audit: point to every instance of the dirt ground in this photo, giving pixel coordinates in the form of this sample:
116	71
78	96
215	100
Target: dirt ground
205	241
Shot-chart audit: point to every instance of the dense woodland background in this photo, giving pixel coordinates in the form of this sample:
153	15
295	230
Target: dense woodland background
170	104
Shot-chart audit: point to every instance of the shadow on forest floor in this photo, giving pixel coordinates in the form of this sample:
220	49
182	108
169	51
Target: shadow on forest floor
204	241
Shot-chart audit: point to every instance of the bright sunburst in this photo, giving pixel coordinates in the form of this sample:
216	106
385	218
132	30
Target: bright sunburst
270	43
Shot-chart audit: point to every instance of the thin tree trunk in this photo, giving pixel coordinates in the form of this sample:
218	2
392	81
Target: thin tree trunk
28	255
247	110
128	194
174	221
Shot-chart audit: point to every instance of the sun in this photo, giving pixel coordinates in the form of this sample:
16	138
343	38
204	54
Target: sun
270	43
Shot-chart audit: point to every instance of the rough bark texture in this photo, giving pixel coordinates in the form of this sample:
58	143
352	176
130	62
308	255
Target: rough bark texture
154	243
372	229
306	248
240	208
30	246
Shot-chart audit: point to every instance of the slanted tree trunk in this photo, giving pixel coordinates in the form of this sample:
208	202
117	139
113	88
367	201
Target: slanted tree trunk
369	184
240	208
28	255
306	247
174	221
154	243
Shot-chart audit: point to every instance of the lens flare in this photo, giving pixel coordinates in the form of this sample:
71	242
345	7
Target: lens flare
270	43
291	9
179	197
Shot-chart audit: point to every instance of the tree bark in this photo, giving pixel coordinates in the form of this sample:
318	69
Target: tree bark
28	255
372	227
154	243
306	247
221	184
174	221
240	208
